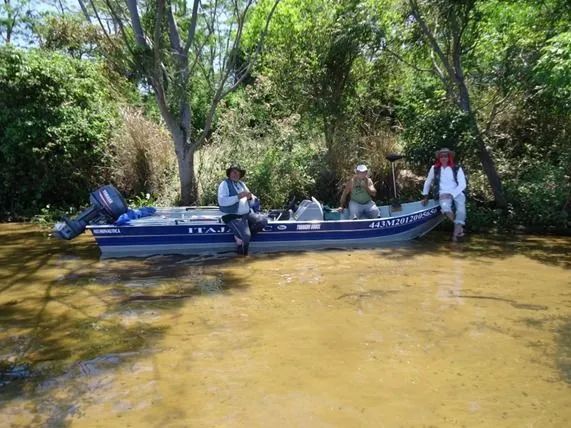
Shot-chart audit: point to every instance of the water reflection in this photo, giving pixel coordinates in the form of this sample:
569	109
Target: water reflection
428	333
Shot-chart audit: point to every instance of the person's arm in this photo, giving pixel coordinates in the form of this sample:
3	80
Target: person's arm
428	182
371	188
224	198
251	197
461	177
346	190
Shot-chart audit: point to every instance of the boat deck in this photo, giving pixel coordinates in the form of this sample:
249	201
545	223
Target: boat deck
211	214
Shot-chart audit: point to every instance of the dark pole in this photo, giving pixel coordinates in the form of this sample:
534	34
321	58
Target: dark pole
392	158
394	181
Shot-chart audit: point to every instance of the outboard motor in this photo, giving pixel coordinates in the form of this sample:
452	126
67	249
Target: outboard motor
107	204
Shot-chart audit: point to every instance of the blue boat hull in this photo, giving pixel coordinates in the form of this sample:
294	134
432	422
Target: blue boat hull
179	231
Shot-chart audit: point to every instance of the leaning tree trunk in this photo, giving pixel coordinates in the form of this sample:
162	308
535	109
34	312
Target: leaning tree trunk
484	155
489	168
329	132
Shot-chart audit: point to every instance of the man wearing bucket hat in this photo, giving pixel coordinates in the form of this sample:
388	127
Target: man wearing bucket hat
237	202
448	181
362	191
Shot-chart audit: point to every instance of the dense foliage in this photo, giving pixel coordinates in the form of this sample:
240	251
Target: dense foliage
56	115
281	154
340	82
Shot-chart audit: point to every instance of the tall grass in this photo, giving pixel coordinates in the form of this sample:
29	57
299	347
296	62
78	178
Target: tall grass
143	160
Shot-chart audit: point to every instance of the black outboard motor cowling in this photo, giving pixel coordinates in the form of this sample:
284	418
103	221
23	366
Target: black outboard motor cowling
107	204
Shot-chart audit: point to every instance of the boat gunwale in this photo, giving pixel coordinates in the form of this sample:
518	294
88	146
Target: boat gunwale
162	222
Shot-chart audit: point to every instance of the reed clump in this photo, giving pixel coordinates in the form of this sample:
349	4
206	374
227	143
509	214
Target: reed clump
143	163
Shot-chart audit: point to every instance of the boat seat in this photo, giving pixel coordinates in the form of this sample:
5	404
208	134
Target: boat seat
309	210
384	211
279	215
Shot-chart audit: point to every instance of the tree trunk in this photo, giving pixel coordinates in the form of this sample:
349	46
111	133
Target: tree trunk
491	172
485	157
329	132
185	157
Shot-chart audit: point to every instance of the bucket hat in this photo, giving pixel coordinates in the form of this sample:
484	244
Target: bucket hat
444	151
238	168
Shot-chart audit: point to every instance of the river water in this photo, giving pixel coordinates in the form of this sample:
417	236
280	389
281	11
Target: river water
429	333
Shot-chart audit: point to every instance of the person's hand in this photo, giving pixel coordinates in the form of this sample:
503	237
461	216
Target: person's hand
341	209
245	194
424	201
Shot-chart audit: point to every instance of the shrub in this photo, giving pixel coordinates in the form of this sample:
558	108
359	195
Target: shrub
539	197
56	116
278	151
280	163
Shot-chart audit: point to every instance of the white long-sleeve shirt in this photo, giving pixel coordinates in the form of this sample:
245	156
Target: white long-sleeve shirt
225	200
447	182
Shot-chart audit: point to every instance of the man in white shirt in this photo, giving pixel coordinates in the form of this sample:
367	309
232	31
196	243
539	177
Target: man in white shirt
237	202
449	184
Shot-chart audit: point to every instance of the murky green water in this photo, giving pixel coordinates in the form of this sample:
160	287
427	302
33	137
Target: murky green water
425	334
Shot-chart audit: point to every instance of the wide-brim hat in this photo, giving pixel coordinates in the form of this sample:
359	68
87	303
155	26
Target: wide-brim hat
237	168
444	151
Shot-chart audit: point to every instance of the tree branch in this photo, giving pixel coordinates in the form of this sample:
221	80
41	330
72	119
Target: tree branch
404	61
253	58
84	10
221	92
192	28
105	32
158	74
174	36
431	39
121	28
136	24
456	49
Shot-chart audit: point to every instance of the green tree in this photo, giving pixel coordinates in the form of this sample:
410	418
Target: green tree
313	50
185	55
553	70
56	116
71	35
16	19
449	31
325	61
